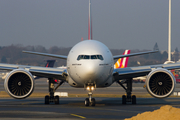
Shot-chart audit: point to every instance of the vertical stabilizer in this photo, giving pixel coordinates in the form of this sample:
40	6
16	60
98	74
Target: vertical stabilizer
89	23
122	62
50	63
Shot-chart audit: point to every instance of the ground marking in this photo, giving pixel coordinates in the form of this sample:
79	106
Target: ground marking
113	109
78	116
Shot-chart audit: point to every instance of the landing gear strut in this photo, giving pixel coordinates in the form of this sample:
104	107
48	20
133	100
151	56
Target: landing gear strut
51	98
90	101
128	97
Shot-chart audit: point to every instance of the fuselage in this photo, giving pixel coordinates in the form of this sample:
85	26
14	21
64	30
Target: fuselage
90	62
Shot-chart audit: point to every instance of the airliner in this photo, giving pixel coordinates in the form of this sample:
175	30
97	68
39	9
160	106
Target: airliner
90	65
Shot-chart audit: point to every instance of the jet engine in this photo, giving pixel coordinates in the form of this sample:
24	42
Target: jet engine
160	83
19	83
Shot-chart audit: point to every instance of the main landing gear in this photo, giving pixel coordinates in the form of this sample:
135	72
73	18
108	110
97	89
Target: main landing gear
90	101
51	98
128	97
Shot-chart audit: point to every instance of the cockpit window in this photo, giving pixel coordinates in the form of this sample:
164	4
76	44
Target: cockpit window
93	57
86	56
80	57
100	57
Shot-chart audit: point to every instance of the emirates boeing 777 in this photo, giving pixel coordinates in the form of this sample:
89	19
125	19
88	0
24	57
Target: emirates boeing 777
90	65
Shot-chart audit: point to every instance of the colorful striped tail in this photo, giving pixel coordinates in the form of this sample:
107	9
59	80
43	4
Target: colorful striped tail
122	62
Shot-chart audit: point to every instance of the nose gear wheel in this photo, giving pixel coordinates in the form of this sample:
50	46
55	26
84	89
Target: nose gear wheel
90	101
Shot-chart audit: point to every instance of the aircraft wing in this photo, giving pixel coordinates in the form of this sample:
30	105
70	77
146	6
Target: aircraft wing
134	54
57	73
131	72
46	54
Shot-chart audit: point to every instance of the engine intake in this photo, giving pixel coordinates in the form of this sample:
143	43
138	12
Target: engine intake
19	83
160	83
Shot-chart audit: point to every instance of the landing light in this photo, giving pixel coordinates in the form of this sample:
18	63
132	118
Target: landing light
88	88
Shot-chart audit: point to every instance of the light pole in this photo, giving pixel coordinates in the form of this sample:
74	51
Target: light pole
169	33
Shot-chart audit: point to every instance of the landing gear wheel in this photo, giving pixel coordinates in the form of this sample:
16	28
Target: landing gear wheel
93	102
123	99
133	99
56	100
87	102
47	99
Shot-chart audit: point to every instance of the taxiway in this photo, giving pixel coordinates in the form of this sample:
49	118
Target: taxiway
73	108
107	107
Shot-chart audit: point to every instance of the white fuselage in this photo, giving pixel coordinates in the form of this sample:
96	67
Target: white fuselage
90	62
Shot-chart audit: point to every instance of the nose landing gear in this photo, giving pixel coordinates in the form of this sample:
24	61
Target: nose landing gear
90	101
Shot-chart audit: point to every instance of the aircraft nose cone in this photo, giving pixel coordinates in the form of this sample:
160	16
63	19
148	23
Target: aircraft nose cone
90	70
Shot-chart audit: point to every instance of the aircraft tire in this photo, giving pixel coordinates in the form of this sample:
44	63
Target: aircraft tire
133	99
47	99
87	102
56	100
93	102
123	99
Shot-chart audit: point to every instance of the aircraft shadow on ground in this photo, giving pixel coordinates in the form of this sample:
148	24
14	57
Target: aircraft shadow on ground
118	102
100	101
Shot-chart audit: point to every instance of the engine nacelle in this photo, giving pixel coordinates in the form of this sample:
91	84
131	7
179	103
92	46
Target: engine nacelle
19	83
160	83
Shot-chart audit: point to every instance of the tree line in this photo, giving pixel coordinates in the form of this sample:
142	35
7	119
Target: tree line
13	55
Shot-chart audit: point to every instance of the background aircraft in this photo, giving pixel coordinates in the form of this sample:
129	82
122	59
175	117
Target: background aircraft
122	62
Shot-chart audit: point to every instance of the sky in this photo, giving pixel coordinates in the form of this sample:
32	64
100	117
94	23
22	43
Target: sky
119	24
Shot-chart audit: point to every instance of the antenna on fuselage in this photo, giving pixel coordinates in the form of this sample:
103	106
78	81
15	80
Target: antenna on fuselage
89	23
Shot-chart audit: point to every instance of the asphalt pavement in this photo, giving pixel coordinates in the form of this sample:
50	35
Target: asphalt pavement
73	107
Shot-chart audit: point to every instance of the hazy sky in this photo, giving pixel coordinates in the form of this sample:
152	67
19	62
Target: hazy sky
127	24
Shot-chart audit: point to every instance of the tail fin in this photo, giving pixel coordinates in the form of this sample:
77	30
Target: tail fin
50	63
122	62
90	23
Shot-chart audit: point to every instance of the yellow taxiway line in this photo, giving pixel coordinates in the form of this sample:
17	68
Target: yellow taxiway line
78	116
